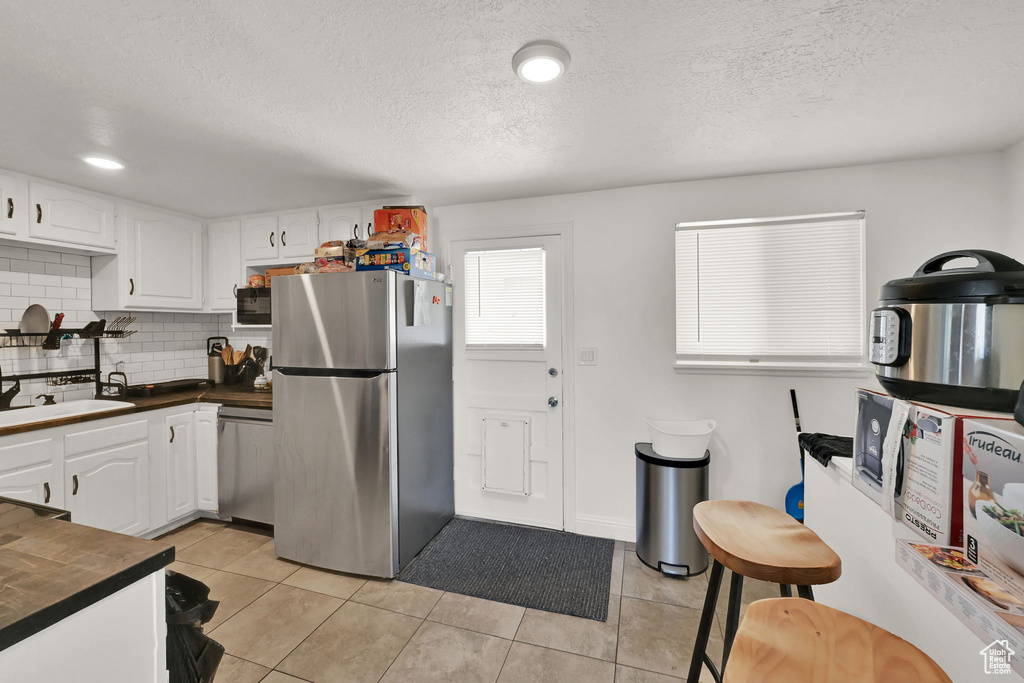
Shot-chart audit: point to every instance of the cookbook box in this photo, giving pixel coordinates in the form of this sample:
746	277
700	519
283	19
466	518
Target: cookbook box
411	261
393	219
982	604
993	492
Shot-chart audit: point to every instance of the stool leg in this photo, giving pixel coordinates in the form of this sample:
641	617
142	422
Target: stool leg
787	592
805	592
732	619
706	617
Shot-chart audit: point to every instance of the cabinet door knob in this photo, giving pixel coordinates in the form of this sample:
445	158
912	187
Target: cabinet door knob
553	402
10	207
131	289
46	493
39	213
172	434
271	239
283	243
74	487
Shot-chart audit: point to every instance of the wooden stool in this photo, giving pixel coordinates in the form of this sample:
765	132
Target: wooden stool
760	542
790	639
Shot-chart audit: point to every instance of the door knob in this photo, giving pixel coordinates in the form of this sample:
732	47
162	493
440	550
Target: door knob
553	372
553	402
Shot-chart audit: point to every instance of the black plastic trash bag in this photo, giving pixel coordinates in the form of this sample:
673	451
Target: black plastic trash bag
192	656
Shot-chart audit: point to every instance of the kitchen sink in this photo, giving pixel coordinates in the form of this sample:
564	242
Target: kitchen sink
22	416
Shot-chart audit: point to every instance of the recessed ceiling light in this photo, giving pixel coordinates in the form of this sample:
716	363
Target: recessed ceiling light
540	62
109	163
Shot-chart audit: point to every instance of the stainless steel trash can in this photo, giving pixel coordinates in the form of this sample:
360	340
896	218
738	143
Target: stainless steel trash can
666	491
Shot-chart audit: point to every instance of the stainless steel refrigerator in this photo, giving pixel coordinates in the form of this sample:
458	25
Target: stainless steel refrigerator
362	418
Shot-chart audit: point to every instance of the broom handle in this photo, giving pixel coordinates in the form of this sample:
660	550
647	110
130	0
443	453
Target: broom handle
796	411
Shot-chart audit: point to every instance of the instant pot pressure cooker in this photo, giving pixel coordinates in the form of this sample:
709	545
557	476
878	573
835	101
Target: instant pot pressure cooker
953	336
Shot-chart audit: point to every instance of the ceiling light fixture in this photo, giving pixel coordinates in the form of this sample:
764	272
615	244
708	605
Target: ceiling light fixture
540	62
105	162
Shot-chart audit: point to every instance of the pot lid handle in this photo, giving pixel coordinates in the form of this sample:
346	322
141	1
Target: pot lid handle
988	262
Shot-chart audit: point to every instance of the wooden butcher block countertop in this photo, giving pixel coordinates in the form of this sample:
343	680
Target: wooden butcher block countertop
51	569
224	395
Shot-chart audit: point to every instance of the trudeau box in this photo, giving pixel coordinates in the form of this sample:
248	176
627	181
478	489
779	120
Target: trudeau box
411	261
993	491
401	219
907	457
978	600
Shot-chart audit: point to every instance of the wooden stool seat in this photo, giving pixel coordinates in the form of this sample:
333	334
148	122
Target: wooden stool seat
792	639
763	543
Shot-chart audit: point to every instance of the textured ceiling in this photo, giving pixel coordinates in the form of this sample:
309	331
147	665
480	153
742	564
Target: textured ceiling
239	106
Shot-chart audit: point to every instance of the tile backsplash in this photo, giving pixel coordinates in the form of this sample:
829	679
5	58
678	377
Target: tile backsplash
165	346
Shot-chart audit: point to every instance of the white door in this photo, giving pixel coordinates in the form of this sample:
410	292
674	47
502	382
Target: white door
223	265
165	264
110	489
338	223
508	379
259	238
300	232
181	465
68	216
13	204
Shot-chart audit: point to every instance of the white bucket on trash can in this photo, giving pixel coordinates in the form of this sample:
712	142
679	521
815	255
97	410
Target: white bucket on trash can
680	439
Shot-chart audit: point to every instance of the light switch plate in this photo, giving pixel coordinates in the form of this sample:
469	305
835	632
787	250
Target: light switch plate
588	356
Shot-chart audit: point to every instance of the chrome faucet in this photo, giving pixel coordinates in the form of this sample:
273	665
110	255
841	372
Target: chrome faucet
8	396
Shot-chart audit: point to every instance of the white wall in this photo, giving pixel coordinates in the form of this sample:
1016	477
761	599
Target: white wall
1014	188
624	304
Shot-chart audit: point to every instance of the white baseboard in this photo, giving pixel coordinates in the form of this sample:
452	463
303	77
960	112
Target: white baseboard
605	527
171	526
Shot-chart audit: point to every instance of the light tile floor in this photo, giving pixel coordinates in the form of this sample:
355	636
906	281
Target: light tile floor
282	622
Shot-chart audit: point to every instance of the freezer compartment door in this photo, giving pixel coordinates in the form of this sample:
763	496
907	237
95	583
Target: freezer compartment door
335	321
335	498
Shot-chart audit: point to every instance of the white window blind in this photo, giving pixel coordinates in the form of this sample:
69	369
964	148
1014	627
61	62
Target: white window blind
504	293
782	291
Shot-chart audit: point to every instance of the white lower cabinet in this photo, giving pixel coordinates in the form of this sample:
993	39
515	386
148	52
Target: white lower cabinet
131	474
30	471
110	488
206	459
181	465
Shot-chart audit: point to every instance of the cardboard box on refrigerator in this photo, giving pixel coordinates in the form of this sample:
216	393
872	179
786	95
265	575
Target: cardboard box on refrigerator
394	219
411	261
993	494
908	458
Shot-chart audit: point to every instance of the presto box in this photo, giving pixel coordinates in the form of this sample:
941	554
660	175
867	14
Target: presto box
411	261
993	494
907	457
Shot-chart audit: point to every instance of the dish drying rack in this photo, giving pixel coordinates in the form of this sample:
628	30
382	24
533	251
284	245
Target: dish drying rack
15	339
118	330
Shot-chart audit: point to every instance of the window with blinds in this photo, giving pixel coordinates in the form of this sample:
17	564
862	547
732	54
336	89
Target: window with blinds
504	295
778	292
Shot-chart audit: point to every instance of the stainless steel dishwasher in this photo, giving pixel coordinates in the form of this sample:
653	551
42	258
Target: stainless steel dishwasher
245	464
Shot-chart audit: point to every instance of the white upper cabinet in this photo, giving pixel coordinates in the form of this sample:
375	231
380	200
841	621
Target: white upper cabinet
260	238
159	267
69	216
223	265
338	223
300	235
13	205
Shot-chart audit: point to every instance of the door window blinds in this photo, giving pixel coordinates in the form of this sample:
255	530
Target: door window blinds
782	291
504	294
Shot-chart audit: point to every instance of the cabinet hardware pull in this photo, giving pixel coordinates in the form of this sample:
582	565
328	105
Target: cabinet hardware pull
10	207
46	493
172	433
283	243
234	290
131	291
271	239
39	213
74	488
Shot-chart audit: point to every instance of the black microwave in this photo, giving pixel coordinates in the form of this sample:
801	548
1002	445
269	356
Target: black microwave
253	305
